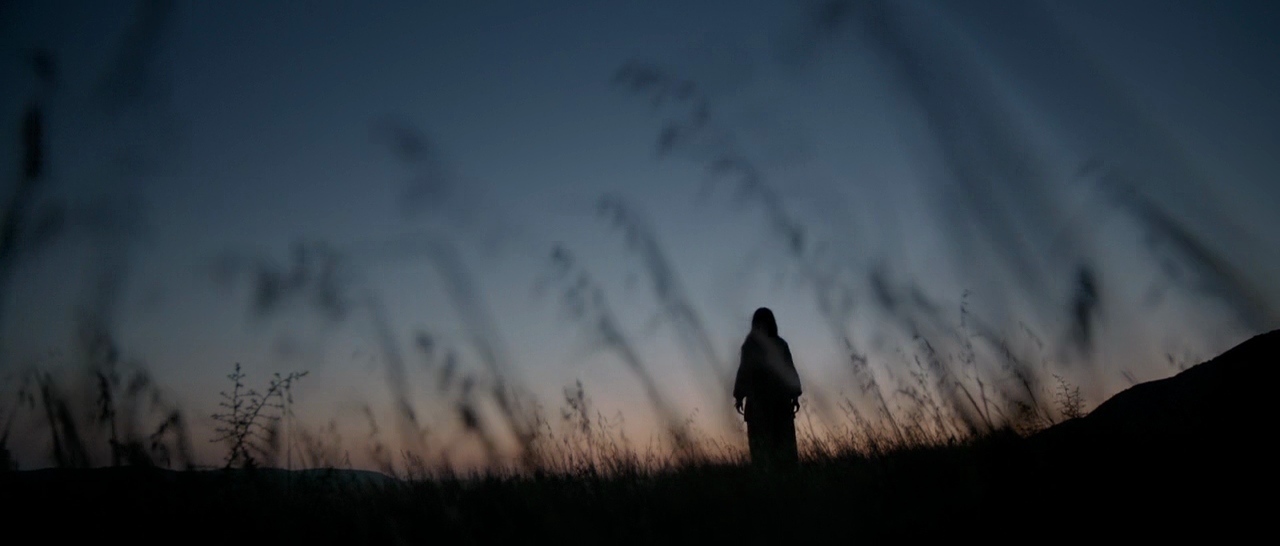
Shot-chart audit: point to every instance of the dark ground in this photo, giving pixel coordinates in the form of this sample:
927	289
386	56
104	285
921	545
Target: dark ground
1187	454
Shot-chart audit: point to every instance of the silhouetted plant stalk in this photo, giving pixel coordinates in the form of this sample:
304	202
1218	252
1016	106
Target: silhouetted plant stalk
411	431
505	385
975	131
1002	178
250	421
589	446
377	449
868	386
326	279
128	419
674	303
1070	403
694	131
322	448
697	133
584	301
18	228
1187	259
103	400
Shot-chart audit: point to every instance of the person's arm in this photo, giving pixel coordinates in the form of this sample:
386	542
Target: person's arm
741	383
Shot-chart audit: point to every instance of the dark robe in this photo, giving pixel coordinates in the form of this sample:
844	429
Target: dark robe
768	382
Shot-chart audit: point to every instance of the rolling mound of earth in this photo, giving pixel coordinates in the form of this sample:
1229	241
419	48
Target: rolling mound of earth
1219	404
1197	448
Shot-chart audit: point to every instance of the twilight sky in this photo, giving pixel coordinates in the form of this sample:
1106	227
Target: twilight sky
415	201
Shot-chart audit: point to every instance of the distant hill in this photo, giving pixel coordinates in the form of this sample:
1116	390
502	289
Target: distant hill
1192	448
1223	405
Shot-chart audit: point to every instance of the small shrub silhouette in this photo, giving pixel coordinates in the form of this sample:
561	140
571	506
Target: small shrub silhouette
250	424
1070	403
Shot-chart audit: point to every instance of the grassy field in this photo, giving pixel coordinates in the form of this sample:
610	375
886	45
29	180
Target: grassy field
1184	453
924	490
1162	457
992	487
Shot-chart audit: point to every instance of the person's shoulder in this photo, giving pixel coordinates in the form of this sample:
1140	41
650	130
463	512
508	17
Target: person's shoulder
782	346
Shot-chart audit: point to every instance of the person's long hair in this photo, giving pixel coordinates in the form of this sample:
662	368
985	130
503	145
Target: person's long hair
764	322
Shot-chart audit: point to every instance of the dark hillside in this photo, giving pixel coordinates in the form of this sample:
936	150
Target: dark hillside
1193	448
1222	402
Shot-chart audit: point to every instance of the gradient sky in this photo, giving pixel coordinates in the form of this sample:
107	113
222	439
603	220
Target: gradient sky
437	153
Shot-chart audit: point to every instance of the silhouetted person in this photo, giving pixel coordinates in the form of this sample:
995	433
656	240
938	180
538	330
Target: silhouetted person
768	381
